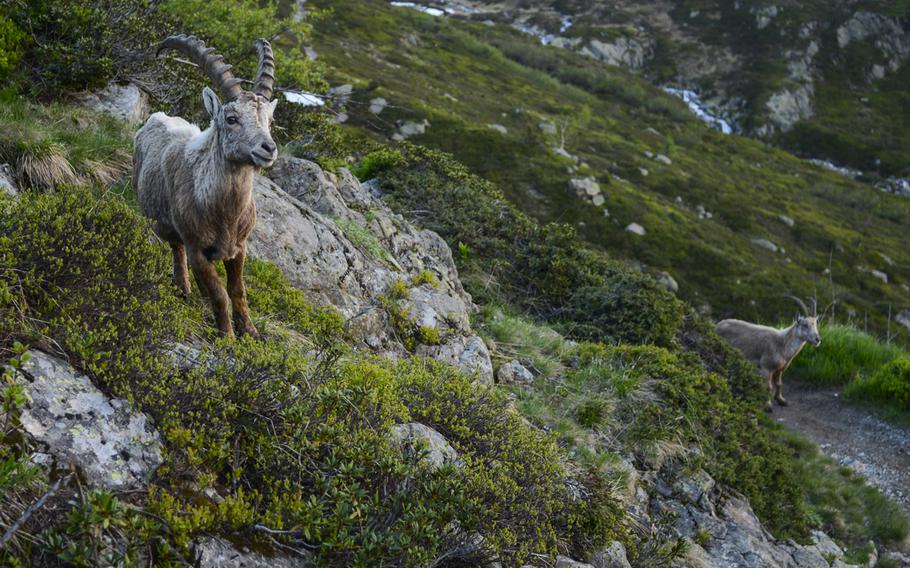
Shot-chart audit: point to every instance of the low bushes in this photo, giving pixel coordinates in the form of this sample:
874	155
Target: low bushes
289	433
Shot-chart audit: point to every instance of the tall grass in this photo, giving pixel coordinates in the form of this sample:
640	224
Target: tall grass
846	354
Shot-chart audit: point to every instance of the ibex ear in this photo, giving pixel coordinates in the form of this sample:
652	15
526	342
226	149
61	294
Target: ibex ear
273	104
211	102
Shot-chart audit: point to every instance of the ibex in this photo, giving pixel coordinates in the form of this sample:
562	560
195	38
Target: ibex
197	186
772	350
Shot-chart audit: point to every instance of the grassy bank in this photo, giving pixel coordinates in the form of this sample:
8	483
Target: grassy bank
872	371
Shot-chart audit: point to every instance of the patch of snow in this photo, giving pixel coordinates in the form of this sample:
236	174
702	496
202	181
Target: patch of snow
304	98
700	109
566	24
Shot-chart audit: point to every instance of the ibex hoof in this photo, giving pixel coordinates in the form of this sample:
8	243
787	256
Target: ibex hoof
769	408
782	401
248	329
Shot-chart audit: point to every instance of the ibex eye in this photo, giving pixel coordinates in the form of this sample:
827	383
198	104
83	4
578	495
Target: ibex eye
232	120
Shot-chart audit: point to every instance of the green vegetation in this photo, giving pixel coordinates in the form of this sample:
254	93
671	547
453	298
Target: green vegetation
888	387
496	75
54	145
86	281
837	499
846	354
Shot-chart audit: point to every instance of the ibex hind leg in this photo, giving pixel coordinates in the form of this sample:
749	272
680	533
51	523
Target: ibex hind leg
181	274
237	292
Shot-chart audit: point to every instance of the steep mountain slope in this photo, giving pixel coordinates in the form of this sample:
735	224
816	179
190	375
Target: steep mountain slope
827	79
736	223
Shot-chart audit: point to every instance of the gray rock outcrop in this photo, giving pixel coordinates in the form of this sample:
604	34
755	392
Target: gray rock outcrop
127	102
8	181
438	450
212	552
339	243
110	443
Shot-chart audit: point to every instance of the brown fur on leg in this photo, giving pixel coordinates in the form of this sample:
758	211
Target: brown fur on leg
207	279
237	292
778	385
181	275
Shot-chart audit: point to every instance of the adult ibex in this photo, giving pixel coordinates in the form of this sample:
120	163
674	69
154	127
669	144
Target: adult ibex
772	350
197	186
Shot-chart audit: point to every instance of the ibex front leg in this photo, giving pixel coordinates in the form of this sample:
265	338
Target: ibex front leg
181	276
778	386
768	406
237	291
210	284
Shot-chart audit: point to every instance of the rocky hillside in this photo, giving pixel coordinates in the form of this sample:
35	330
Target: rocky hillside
825	79
442	378
730	223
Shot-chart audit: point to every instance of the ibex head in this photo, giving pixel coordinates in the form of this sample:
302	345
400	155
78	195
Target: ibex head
242	122
807	323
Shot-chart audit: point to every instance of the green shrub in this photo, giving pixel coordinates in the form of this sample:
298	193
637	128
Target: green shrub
845	354
630	308
376	162
81	44
12	45
888	387
82	275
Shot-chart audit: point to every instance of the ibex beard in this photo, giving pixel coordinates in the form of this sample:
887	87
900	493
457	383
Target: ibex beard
197	185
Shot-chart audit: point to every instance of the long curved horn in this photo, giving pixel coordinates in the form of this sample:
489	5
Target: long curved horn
211	63
265	76
814	307
802	304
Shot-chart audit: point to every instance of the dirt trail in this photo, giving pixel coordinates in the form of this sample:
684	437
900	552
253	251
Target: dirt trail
873	448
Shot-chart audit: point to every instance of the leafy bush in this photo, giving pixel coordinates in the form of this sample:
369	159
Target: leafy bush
629	308
12	41
66	260
888	387
81	44
289	433
376	162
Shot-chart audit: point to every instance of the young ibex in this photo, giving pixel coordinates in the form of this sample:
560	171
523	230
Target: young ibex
772	350
197	187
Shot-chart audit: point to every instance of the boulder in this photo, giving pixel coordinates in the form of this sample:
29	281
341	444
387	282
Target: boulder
498	128
377	105
626	52
112	444
566	562
612	556
636	229
126	102
8	181
213	552
765	244
438	450
584	187
666	280
513	372
468	353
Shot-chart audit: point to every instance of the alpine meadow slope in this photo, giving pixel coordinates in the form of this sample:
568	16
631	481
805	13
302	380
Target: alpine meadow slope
736	223
452	371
